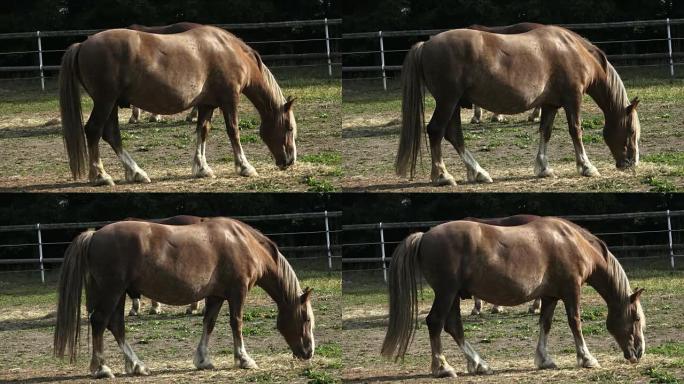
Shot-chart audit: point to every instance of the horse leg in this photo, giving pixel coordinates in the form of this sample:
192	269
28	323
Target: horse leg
454	327
112	135
135	307
135	115
542	360
541	164
192	115
497	309
454	134
133	365
155	308
191	308
535	307
477	306
435	322
101	304
477	115
200	168
242	166
535	115
584	358
211	311
236	301
155	118
93	131
584	166
497	118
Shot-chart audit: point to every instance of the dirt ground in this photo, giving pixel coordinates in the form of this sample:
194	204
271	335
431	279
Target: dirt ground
371	126
166	342
507	341
34	158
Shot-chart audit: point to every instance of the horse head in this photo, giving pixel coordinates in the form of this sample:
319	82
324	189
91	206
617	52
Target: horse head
296	324
279	133
621	133
627	324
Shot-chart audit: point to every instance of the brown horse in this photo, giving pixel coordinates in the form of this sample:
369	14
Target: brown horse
504	222
548	67
218	259
206	67
162	30
155	308
549	258
505	30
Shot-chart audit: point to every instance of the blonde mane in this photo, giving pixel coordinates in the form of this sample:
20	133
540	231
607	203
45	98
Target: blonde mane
292	290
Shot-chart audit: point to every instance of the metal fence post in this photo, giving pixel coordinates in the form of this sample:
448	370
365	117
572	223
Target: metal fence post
382	250
669	48
669	244
382	62
327	241
327	47
40	61
40	253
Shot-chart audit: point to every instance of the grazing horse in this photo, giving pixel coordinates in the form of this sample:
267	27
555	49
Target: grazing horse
218	259
504	222
505	30
548	67
549	258
162	30
155	308
206	67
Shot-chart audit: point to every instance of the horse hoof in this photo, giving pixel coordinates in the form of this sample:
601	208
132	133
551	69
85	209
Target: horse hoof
204	365
498	119
155	311
138	176
444	180
203	172
589	362
105	180
132	313
589	171
247	171
496	309
133	121
155	118
546	172
103	373
444	372
474	312
534	311
247	363
481	176
475	121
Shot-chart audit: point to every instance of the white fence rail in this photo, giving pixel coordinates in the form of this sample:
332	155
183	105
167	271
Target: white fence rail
667	55
327	54
670	250
325	249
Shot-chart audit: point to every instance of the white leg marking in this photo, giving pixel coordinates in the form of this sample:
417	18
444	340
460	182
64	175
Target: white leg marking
133	172
476	174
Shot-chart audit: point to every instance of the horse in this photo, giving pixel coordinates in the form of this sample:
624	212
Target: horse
218	259
548	67
549	258
505	30
206	67
535	307
155	307
162	30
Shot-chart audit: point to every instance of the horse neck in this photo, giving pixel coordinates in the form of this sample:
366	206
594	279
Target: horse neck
610	281
264	93
608	92
280	282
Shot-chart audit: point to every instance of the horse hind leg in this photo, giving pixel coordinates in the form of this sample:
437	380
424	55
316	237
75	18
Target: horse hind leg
112	135
101	305
135	115
477	307
454	327
155	308
155	118
454	134
535	116
192	308
436	130
200	168
132	364
477	115
541	163
535	307
94	131
192	115
542	360
436	320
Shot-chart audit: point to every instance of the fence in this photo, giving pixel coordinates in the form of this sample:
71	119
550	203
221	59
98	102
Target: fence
667	246
383	68
328	52
327	243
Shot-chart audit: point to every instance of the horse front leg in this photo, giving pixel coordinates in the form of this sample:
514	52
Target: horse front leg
135	115
112	135
542	360
477	115
200	168
132	363
242	166
435	322
584	357
236	302
454	327
535	116
211	311
541	163
454	134
93	131
584	166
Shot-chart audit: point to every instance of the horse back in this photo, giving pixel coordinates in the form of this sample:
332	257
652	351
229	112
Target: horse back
165	29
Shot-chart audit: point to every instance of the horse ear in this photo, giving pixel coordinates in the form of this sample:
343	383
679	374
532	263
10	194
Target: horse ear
289	102
306	296
632	106
636	295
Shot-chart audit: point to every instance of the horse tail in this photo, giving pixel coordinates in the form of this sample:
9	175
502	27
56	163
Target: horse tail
70	109
403	300
68	325
412	115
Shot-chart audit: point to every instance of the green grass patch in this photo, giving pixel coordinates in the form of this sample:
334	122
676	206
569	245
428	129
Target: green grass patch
318	185
248	123
659	376
669	349
593	313
324	157
329	350
659	185
668	158
318	377
249	138
594	123
591	138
